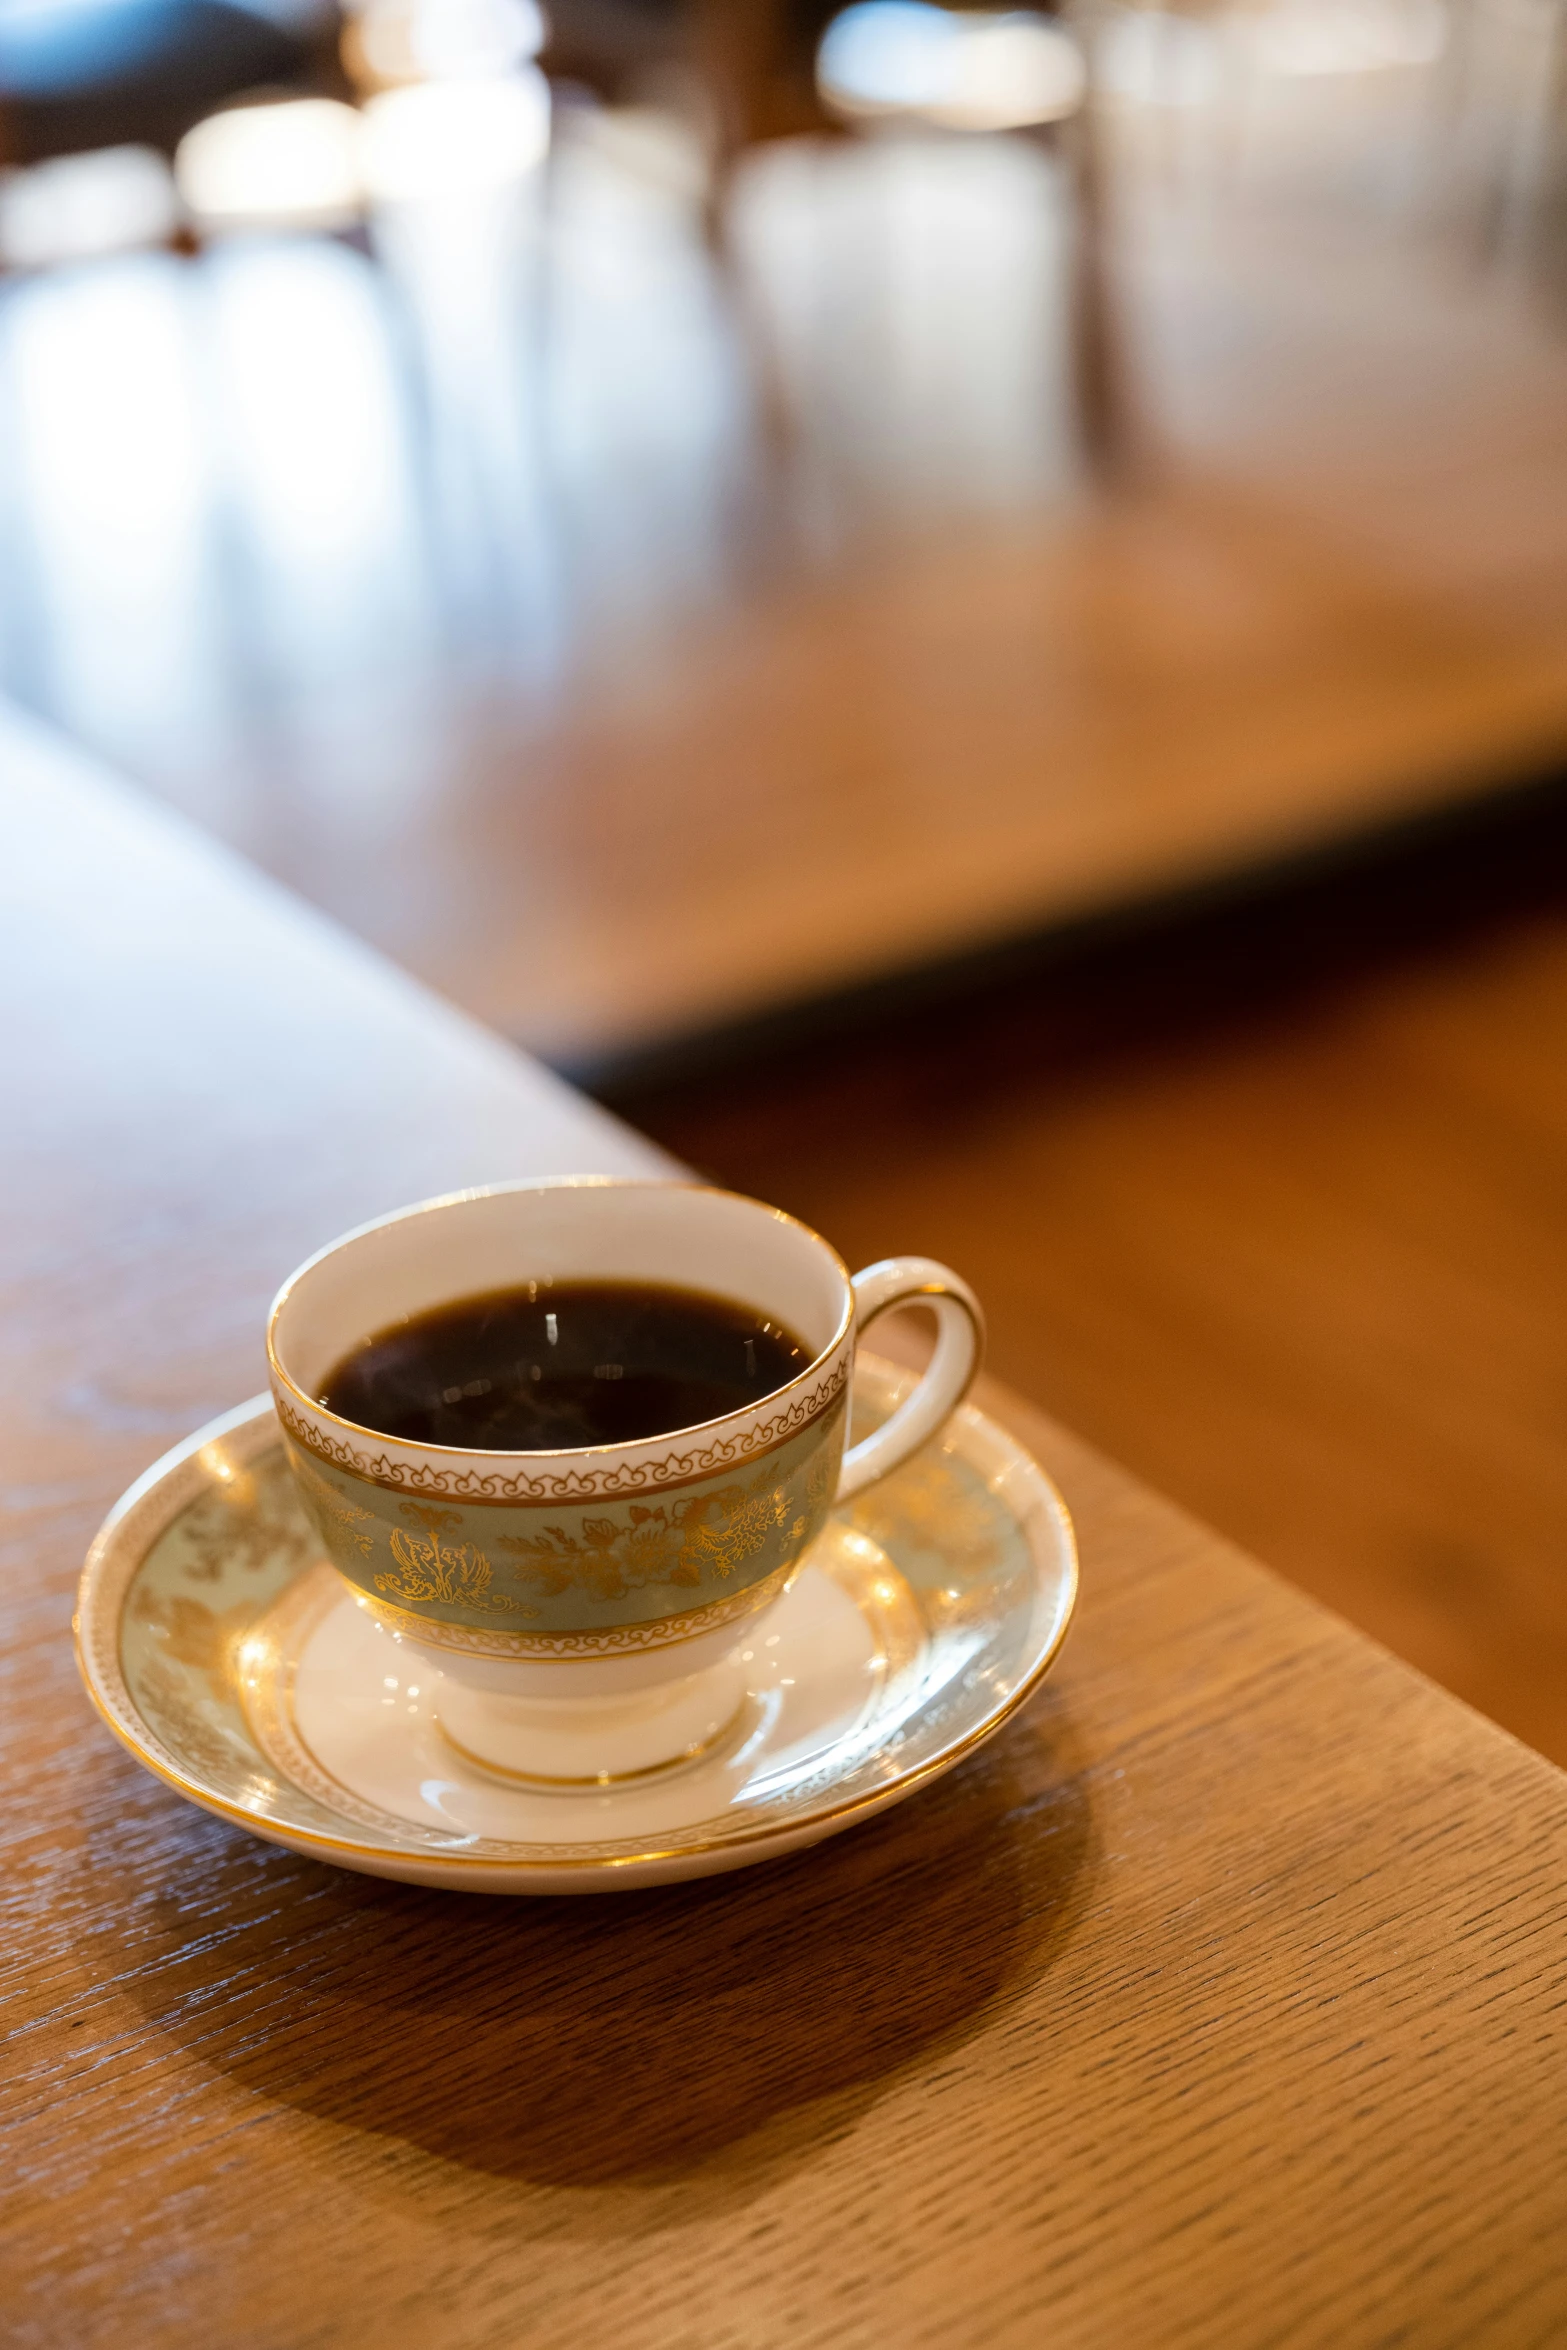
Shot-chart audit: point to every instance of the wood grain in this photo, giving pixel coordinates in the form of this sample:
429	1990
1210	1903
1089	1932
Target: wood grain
1292	1250
1217	2004
996	734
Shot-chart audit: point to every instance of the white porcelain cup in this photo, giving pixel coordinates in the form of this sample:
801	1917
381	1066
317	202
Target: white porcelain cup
585	1608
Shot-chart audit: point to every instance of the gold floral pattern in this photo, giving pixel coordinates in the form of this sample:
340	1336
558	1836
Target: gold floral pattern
553	1573
456	1573
931	1500
212	1748
612	1640
354	1525
682	1543
246	1522
191	1633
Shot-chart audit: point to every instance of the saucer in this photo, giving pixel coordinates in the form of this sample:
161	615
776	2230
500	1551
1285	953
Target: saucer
233	1662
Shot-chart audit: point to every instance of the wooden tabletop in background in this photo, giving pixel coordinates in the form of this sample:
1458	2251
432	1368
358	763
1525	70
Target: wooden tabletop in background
1218	2003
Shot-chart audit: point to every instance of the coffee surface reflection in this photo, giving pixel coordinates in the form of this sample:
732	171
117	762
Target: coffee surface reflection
552	1366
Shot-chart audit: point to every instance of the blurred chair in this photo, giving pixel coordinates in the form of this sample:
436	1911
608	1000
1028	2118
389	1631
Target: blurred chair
77	75
765	63
758	66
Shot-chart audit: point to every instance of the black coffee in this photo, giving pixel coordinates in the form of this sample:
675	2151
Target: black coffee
553	1365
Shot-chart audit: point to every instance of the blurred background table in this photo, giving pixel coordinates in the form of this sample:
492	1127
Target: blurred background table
1218	2003
448	525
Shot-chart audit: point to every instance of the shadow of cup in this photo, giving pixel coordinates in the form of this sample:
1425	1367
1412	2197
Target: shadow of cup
642	2037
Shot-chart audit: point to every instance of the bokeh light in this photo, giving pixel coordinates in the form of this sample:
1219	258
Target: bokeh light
969	71
294	163
436	139
387	42
80	205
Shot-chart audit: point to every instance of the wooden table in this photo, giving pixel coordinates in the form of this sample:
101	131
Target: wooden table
1219	2003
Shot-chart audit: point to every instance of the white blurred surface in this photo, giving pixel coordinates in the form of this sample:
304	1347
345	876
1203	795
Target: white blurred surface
80	206
974	71
292	163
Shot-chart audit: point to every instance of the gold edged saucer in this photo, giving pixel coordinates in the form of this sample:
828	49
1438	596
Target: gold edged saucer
235	1664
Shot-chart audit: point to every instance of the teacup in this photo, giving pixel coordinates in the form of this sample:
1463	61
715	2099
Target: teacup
585	1607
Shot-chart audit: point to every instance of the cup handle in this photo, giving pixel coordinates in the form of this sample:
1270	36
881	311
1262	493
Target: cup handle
960	1341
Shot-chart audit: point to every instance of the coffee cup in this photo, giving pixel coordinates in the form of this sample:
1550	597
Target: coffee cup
585	1605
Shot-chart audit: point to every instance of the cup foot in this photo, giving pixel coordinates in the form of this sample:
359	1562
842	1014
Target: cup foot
588	1743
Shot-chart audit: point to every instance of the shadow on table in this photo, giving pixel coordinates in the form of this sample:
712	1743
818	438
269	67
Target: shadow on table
723	2027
